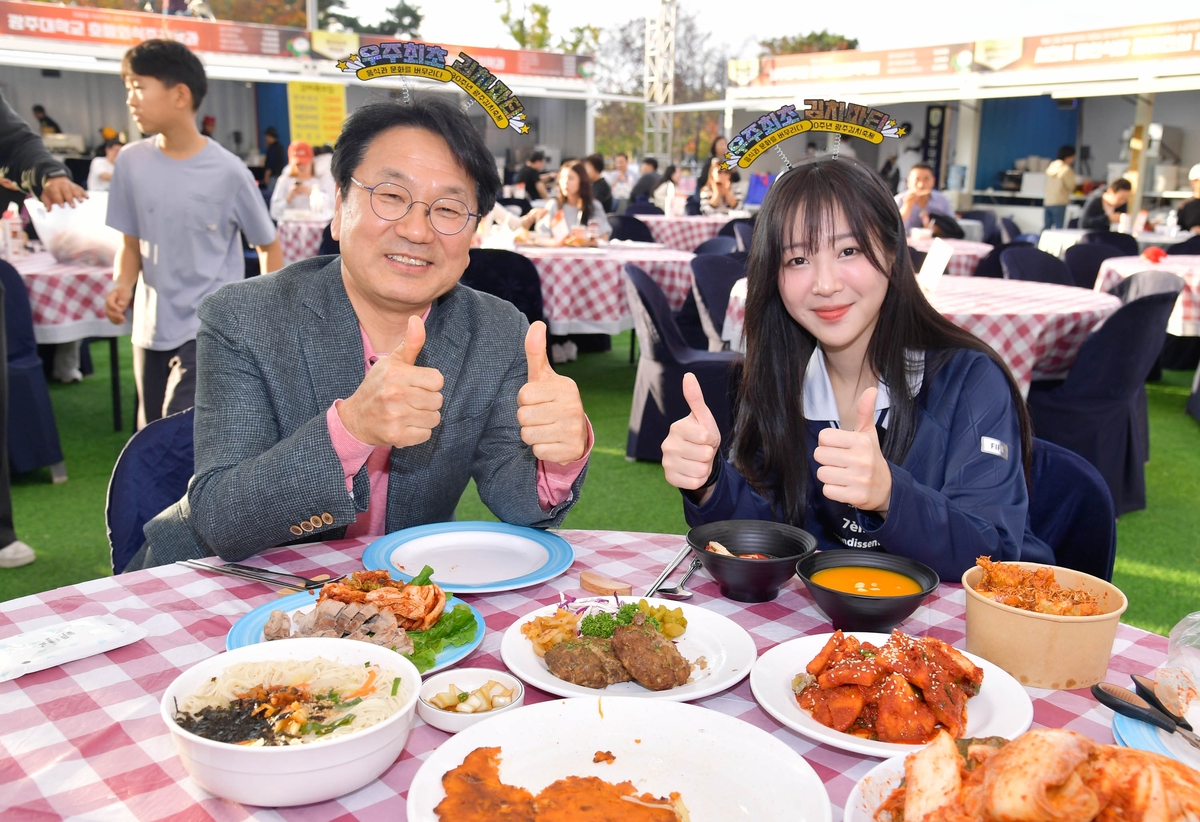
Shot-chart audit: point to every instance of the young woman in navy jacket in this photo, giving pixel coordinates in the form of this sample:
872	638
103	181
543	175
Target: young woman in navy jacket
863	415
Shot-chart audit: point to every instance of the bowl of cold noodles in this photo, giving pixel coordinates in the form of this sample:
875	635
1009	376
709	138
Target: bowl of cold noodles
1049	627
751	560
293	721
866	590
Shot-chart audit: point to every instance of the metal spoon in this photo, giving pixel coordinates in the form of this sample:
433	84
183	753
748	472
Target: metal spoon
678	591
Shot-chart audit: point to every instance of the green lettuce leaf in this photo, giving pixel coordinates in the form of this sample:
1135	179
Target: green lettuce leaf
424	577
456	627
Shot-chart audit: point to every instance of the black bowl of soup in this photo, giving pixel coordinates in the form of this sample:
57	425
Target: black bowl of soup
764	556
866	590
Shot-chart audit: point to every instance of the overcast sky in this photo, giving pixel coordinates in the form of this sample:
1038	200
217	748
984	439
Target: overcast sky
877	25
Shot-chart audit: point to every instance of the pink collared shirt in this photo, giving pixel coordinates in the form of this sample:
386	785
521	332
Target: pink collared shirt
553	480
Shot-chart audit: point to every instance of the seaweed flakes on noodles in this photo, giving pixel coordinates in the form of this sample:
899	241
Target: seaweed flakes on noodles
290	702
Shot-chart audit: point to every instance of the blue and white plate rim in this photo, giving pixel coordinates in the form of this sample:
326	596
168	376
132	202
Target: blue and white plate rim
377	556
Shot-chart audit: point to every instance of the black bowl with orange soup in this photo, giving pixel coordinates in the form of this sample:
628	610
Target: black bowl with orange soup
866	590
764	556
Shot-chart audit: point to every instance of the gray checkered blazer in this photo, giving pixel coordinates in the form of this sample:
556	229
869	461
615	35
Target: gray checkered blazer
273	353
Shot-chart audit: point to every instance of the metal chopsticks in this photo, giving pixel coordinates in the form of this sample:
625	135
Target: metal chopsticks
671	566
259	575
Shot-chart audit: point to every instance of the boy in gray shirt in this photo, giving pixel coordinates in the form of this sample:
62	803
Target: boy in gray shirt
181	200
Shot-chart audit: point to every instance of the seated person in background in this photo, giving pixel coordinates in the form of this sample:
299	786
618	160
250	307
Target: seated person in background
717	196
647	182
358	395
594	165
664	192
572	206
622	178
921	199
946	227
863	415
101	169
717	151
1189	212
298	182
530	176
1060	185
1103	207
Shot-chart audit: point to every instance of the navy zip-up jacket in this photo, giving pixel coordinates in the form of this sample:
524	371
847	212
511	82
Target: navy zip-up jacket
959	493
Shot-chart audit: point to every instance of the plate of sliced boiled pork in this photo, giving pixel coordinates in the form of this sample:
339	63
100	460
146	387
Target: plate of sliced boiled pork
383	615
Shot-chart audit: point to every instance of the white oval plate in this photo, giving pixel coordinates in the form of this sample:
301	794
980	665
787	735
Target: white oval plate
876	785
724	769
472	557
1002	708
728	652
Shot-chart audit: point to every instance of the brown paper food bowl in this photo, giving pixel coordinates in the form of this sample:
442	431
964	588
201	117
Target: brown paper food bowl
1042	650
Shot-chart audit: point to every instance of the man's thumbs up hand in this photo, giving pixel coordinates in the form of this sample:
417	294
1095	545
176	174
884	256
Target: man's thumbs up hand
399	402
549	408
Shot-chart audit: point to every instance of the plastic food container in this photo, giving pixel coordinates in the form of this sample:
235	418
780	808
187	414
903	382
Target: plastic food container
1043	650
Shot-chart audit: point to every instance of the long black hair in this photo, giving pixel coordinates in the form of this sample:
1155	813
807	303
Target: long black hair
770	419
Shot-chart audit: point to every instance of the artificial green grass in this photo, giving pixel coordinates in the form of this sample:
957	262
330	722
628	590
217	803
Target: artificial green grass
1158	564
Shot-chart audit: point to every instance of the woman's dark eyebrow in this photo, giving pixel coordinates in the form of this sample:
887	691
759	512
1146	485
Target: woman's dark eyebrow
791	246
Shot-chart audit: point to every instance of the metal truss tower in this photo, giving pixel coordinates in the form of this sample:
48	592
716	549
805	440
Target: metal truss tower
659	81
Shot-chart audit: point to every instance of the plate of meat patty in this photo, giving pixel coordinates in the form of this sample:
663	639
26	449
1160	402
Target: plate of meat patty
713	654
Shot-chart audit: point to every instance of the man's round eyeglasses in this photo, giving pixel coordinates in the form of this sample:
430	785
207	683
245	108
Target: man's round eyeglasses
391	202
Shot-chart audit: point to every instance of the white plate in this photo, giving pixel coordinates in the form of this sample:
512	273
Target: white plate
1002	708
472	557
727	649
724	769
870	791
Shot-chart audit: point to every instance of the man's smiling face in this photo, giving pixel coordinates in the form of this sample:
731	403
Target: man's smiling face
403	265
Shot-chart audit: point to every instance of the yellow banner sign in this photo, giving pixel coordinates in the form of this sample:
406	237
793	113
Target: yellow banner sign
316	112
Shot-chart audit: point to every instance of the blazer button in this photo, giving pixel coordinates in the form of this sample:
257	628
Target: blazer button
327	518
316	521
306	526
297	530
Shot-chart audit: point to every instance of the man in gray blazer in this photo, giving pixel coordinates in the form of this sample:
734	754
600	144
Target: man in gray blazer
294	444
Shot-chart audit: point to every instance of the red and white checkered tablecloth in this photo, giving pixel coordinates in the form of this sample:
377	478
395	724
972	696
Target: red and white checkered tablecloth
67	298
85	741
300	239
583	289
1185	318
683	233
965	258
1036	328
1056	241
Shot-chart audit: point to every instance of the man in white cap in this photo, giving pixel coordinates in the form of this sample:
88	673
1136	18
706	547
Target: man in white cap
1189	212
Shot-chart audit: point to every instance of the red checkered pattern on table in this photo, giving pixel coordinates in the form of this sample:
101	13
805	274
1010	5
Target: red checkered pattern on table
1185	319
62	293
683	233
300	239
1036	327
589	287
85	740
965	259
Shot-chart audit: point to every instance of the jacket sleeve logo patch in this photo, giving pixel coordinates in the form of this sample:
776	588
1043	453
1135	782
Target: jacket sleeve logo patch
993	446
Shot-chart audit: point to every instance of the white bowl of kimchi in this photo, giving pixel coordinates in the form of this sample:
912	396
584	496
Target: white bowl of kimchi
319	753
